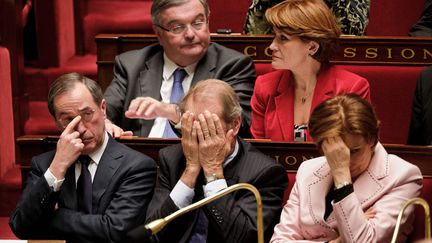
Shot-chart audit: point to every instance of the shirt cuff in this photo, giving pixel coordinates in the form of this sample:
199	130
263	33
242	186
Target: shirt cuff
214	186
343	192
52	181
182	195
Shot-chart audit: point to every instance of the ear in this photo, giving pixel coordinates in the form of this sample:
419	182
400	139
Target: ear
103	107
313	47
157	31
236	125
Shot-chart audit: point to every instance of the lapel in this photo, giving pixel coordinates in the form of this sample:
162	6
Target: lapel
231	171
206	66
325	87
318	188
366	186
284	103
106	169
377	170
68	193
150	83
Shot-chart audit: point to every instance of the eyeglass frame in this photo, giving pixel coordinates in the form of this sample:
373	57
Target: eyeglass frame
84	117
185	26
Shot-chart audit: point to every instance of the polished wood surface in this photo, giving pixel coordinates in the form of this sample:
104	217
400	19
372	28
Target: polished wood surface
289	154
353	50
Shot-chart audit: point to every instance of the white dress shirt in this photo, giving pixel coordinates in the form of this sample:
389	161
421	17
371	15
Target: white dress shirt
95	157
166	88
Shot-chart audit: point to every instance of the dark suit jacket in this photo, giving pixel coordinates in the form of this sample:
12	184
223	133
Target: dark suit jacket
122	188
138	73
273	99
232	218
420	132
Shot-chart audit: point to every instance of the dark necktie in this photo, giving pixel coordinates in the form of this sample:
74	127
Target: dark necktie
176	94
200	230
84	186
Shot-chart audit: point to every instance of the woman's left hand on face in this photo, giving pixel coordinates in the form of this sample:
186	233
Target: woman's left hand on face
338	158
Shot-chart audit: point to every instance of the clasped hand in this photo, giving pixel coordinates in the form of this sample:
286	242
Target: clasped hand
205	143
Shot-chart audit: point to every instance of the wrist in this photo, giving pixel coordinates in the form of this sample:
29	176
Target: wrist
174	114
213	174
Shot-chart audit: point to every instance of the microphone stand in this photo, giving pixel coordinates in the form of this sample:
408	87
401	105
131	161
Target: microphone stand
425	205
158	224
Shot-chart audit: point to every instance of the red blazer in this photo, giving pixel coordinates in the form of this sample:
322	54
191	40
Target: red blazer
273	99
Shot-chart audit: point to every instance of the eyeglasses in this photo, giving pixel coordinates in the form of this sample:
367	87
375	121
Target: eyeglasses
86	116
180	28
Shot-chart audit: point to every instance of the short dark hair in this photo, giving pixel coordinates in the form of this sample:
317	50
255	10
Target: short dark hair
66	82
160	5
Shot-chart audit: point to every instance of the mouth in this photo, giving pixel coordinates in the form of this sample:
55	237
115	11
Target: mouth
86	140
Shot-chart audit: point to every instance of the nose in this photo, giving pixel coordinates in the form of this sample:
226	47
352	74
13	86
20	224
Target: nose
81	128
189	32
273	45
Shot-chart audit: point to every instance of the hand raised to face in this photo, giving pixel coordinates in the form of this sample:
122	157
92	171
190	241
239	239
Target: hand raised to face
189	143
214	143
337	154
69	147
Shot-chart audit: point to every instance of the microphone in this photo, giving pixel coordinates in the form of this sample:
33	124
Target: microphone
145	232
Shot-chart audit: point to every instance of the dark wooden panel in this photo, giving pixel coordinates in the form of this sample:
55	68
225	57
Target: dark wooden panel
290	154
353	50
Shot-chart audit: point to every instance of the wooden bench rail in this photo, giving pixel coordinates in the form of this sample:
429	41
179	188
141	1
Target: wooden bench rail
290	154
353	50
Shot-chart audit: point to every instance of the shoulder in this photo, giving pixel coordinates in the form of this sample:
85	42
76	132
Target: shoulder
127	155
225	53
312	166
402	168
256	161
269	82
140	54
344	75
43	160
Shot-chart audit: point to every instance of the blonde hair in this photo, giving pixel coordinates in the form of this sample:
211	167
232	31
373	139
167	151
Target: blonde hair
343	115
310	20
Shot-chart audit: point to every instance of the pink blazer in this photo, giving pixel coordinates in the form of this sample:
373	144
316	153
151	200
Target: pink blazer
387	183
273	99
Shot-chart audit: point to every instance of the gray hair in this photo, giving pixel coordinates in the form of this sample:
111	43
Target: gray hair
224	93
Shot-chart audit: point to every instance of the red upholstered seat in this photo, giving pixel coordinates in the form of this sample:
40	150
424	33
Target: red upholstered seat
115	17
7	143
392	91
10	177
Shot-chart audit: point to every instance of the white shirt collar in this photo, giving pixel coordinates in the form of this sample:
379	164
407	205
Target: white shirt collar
233	154
169	68
97	155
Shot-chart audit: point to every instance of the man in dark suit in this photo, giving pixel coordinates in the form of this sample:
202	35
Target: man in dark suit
93	198
138	98
210	158
420	132
423	27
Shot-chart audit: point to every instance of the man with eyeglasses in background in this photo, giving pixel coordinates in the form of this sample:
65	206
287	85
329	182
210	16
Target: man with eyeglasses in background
90	188
148	83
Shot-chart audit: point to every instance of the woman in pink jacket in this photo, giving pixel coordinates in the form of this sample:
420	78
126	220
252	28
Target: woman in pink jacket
355	191
306	33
